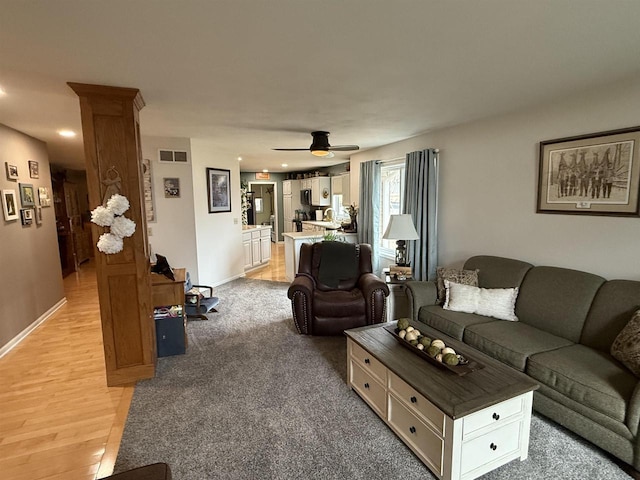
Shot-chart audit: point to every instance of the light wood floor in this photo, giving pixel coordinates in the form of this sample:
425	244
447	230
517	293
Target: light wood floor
59	419
275	269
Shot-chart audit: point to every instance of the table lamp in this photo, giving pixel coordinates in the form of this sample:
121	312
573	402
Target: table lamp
401	229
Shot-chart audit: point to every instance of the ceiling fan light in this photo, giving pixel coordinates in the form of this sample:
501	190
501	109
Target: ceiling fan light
320	153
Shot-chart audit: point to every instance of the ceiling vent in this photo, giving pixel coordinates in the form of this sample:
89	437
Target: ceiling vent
173	156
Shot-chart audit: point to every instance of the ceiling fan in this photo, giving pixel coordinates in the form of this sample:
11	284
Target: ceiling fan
320	146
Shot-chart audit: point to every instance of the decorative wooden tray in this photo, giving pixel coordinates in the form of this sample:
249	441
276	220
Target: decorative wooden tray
460	369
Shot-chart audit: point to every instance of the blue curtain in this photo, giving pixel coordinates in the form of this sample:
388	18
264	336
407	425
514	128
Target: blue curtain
421	201
369	218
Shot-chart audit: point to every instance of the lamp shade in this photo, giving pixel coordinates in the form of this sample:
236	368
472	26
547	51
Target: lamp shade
401	228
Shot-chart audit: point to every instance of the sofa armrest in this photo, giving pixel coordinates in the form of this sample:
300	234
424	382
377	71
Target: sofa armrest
419	294
375	293
633	414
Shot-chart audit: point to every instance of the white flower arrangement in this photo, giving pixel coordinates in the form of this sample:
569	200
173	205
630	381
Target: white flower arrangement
123	227
110	243
118	204
111	216
102	216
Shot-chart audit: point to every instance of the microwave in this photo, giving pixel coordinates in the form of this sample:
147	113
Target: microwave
305	196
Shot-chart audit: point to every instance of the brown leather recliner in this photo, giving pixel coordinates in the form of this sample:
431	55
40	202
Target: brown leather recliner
320	309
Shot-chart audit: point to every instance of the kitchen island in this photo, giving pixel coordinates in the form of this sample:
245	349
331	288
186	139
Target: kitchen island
293	241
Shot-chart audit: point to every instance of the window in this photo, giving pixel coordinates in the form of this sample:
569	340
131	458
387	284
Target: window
392	198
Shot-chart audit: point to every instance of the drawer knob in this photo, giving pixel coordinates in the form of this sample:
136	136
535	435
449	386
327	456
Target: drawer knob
493	447
366	385
367	361
413	399
496	416
413	430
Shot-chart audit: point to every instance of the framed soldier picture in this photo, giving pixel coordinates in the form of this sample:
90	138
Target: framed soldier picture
595	174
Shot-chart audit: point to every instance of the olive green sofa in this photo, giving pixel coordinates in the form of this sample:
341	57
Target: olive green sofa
567	321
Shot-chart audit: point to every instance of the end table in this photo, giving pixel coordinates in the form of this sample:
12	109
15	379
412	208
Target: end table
397	302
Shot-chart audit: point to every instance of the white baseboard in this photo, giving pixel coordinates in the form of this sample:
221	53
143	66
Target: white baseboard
24	333
227	280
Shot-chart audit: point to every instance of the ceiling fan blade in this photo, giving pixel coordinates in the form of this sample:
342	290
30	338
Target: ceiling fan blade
344	148
291	149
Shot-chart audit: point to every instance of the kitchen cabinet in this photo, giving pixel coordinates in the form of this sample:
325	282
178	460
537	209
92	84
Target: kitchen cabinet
321	191
256	246
290	202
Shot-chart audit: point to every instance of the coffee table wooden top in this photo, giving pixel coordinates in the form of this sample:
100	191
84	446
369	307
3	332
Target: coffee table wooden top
457	396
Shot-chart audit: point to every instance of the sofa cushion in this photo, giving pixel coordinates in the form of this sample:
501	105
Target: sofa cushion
626	346
586	375
449	322
339	303
612	308
557	300
498	272
511	342
498	303
463	277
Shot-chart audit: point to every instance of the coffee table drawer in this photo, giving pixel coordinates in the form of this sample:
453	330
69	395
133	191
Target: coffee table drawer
490	447
369	388
417	403
422	439
368	362
494	415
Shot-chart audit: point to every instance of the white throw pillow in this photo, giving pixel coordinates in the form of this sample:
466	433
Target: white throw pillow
498	303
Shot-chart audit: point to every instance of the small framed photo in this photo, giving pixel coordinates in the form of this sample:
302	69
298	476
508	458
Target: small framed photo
38	215
27	195
34	169
9	205
171	187
43	195
219	190
594	174
12	171
26	216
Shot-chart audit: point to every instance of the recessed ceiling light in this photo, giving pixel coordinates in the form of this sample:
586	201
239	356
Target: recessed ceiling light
285	164
66	133
239	159
2	91
265	170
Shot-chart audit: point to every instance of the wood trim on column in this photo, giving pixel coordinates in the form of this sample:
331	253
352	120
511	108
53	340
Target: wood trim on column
110	127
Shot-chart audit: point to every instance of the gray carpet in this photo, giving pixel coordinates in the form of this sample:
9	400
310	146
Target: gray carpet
253	399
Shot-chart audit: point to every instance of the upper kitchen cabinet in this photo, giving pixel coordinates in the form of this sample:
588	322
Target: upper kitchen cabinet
321	191
340	185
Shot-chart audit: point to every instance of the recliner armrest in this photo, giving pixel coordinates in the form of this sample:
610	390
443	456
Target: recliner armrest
370	282
304	283
420	294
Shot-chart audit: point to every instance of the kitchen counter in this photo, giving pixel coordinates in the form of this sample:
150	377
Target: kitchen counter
293	241
327	225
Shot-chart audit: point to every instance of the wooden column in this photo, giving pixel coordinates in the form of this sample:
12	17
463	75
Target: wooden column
111	131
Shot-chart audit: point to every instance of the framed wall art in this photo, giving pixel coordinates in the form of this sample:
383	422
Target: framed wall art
12	171
9	205
26	214
43	196
594	174
219	190
34	169
171	187
147	182
38	215
27	195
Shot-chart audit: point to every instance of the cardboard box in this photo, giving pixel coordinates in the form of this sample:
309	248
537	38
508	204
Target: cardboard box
396	270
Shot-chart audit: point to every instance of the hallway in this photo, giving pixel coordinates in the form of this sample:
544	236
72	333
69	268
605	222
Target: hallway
59	419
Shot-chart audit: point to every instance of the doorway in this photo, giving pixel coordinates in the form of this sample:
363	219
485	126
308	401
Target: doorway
265	204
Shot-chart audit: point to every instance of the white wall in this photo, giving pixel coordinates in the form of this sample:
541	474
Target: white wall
173	232
218	235
488	182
